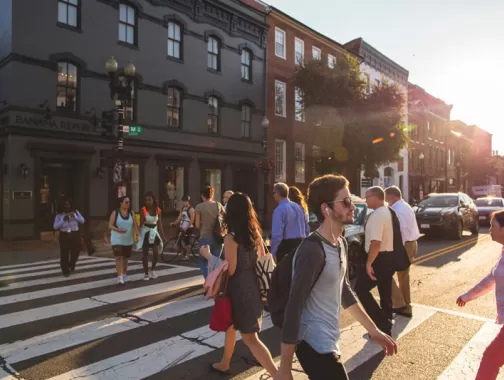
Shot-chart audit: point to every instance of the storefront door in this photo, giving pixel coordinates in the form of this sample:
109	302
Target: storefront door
57	183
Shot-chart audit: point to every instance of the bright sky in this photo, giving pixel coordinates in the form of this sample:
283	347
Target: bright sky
453	49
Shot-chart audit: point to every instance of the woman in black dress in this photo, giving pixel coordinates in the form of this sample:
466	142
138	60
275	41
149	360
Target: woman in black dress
242	245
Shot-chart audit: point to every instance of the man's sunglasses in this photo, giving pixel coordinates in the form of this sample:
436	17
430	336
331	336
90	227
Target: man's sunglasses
347	202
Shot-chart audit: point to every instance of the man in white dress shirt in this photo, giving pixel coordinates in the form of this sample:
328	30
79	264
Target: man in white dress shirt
401	296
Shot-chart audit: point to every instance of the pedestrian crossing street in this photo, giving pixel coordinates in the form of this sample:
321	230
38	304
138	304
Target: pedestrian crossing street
88	327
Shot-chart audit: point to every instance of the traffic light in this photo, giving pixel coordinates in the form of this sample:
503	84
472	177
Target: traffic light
108	122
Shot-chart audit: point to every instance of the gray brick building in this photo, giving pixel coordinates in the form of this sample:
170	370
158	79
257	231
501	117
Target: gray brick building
198	94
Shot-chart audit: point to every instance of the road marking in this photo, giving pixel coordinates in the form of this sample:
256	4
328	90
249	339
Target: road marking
73	276
467	243
149	360
7	376
356	350
54	271
78	335
43	261
50	311
455	313
466	364
84	286
451	247
44	266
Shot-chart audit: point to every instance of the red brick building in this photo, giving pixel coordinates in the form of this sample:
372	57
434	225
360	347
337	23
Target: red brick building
290	138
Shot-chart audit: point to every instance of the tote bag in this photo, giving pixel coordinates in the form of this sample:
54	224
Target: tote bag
221	318
264	269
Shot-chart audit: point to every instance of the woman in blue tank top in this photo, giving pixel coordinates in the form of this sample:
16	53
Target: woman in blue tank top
122	223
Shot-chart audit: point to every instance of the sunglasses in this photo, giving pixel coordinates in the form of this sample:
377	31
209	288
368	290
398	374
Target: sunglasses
347	202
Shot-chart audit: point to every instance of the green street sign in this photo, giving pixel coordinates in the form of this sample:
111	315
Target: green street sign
134	130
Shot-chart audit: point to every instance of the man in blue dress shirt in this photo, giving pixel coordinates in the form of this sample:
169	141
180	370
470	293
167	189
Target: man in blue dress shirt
290	223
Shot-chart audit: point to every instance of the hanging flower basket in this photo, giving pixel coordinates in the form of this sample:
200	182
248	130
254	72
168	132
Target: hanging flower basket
265	165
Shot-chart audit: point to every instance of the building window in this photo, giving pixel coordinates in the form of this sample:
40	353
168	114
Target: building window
246	65
280	43
173	189
388	177
174	40
173	107
66	89
68	12
213	177
213	54
127	22
213	114
280	88
129	109
331	61
280	164
299	51
299	155
316	53
245	120
298	106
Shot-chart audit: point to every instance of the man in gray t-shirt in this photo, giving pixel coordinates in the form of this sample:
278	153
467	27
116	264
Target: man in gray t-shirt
319	288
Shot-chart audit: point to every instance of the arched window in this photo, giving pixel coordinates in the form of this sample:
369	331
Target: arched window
213	54
174	40
173	111
66	89
213	114
246	65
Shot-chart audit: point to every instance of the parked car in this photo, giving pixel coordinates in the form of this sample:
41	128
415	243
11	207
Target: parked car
354	234
487	206
449	213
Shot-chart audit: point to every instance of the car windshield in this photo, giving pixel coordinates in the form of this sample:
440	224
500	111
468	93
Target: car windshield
439	201
488	202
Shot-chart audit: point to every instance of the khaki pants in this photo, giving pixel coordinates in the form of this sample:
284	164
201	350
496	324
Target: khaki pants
401	295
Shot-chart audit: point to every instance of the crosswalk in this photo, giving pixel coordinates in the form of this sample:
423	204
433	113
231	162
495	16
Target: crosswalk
88	327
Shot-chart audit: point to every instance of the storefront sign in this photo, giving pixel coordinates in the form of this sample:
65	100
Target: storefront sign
21	195
65	125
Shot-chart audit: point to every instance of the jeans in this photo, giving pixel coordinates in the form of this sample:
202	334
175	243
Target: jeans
493	359
381	315
320	366
215	250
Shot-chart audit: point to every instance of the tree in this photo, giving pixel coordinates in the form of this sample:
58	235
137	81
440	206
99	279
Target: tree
353	129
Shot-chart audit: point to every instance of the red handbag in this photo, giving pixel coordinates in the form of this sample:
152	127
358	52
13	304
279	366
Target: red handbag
222	318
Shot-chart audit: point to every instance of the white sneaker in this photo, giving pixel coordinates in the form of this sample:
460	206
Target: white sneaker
120	280
146	277
125	278
152	274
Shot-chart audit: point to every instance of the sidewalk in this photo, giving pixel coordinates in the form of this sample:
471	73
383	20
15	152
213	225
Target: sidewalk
43	246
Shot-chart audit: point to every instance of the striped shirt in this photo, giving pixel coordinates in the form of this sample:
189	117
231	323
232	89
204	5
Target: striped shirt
495	280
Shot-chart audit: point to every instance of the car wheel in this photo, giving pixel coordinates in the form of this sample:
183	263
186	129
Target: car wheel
475	227
457	233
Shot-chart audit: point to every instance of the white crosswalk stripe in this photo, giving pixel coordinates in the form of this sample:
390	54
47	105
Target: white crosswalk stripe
167	330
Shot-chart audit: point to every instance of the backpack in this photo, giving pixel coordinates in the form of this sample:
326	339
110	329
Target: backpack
281	279
218	229
144	211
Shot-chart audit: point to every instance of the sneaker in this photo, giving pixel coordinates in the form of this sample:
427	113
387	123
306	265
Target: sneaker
146	277
153	274
120	280
125	278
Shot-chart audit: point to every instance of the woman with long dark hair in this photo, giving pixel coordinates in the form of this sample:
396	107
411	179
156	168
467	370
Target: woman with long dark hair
67	222
296	196
242	245
493	357
122	223
151	234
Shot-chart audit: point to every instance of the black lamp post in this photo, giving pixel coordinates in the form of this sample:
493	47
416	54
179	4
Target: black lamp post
265	165
121	87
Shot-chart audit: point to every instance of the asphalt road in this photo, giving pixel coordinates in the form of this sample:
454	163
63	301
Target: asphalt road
88	327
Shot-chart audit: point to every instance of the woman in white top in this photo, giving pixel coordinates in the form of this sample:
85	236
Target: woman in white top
151	234
122	223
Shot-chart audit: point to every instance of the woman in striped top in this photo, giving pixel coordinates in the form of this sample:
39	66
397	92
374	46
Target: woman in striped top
493	357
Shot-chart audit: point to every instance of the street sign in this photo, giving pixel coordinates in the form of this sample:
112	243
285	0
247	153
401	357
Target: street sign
133	130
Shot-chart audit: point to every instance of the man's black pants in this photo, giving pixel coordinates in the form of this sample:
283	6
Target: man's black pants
70	247
320	366
381	315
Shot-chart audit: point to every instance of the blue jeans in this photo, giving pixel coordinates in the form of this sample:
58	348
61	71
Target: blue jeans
215	250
